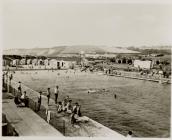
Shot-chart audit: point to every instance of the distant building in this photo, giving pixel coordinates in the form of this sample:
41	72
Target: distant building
15	62
53	63
92	55
84	62
65	64
143	64
35	62
156	55
7	61
40	62
46	62
72	64
23	61
60	64
29	61
109	55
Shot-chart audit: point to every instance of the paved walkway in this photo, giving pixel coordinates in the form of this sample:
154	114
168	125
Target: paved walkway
26	122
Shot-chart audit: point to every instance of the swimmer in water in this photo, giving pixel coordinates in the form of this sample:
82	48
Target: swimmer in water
115	96
130	133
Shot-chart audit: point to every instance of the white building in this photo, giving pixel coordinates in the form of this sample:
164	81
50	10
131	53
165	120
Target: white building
59	64
53	63
29	61
46	62
35	62
15	62
143	64
23	61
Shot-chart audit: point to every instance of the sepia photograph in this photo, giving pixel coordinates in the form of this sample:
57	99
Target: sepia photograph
86	69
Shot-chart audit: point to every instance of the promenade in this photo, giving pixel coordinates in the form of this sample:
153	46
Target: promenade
25	122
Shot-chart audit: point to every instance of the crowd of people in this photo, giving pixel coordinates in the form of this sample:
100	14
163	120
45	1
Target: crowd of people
64	106
21	99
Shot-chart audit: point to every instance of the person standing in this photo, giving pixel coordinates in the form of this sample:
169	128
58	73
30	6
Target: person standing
19	89
39	101
48	95
11	76
56	92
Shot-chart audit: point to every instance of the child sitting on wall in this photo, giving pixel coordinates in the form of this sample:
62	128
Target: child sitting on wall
18	102
59	107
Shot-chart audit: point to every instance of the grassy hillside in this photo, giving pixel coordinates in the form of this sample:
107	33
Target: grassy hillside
61	50
151	50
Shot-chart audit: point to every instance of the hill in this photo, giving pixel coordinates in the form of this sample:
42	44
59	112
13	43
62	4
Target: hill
67	50
151	50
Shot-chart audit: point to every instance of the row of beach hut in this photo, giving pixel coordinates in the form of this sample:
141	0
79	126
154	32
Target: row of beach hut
52	63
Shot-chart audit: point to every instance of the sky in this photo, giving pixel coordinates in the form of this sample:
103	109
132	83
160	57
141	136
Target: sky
48	23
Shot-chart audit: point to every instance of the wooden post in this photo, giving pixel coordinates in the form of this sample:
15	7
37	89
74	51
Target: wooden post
3	79
10	86
64	127
14	90
7	84
6	81
35	107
